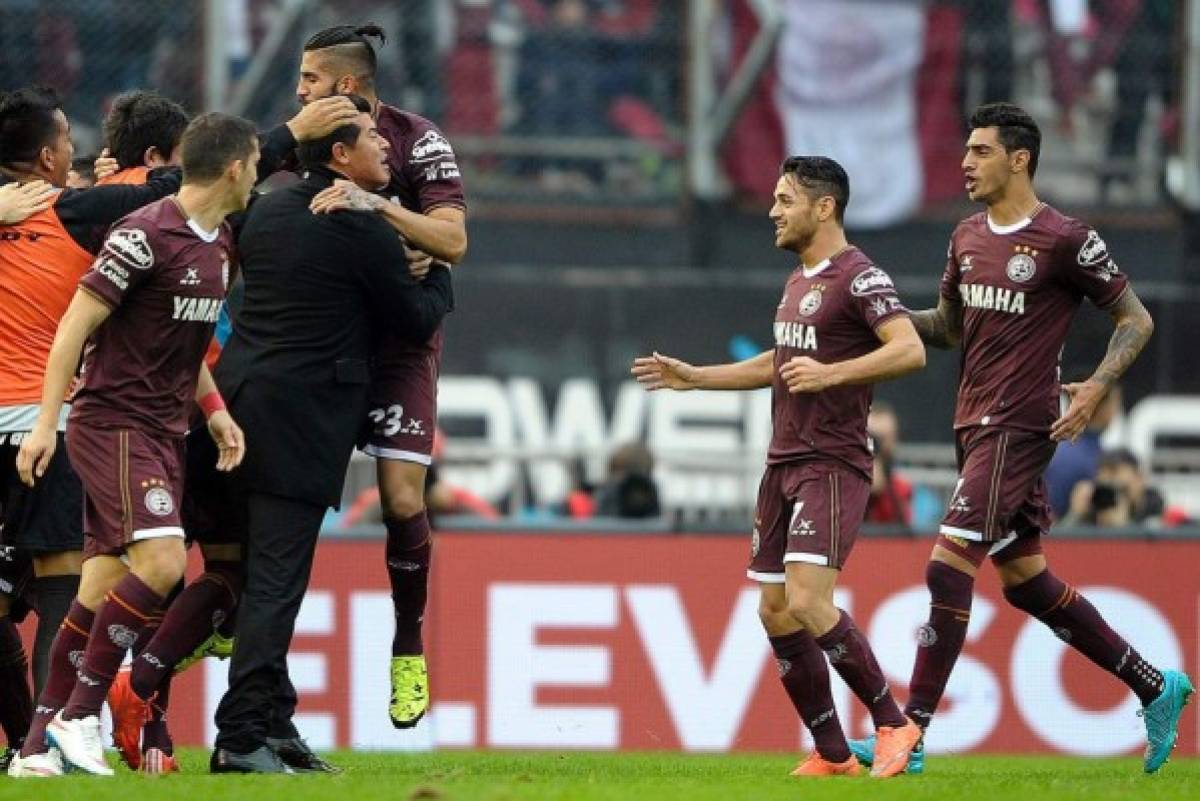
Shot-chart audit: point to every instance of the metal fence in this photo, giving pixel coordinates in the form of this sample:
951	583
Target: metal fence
599	101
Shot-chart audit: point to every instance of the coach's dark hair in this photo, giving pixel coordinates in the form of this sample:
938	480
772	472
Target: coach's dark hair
316	152
1015	129
351	44
820	176
139	120
212	142
27	125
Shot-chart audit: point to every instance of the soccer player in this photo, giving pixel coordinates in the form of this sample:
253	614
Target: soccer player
428	209
839	328
43	253
142	132
1015	275
149	306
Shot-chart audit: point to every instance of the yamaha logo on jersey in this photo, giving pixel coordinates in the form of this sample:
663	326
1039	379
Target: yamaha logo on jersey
1021	267
810	302
160	502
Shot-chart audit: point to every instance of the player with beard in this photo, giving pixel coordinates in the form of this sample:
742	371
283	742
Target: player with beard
146	312
424	203
1015	276
839	329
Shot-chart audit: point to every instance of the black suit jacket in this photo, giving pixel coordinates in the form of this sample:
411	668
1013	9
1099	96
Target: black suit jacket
318	289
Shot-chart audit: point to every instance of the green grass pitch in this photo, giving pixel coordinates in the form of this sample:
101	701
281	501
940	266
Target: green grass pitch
480	776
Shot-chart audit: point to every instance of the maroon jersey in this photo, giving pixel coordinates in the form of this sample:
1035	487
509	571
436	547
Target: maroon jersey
830	314
425	176
165	279
1020	286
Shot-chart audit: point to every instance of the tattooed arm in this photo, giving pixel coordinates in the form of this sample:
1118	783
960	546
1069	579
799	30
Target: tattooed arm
940	327
1133	329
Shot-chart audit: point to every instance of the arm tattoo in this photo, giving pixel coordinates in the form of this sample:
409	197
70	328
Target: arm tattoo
1134	327
940	327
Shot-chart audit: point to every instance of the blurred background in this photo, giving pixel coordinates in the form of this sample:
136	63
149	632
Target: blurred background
619	157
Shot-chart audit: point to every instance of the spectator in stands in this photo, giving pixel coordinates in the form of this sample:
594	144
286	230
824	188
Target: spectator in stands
629	490
891	493
1120	495
1078	461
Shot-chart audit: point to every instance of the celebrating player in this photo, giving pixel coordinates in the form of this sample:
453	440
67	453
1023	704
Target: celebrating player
149	306
1015	275
428	210
839	329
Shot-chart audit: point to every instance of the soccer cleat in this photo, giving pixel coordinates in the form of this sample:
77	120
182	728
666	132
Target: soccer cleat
1162	718
864	752
817	765
216	645
410	691
296	754
6	758
893	747
156	762
260	760
79	742
37	766
129	714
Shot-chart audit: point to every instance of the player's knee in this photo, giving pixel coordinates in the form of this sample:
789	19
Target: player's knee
805	605
160	565
770	611
948	582
402	500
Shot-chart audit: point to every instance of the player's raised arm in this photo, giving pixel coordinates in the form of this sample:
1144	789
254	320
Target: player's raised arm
658	371
83	316
901	353
1133	326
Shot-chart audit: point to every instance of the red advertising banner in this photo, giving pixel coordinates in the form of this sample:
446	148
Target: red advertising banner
567	640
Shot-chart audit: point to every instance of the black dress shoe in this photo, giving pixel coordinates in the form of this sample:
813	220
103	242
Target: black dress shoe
296	754
260	760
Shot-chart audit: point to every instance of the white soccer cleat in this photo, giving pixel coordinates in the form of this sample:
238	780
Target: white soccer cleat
37	766
80	743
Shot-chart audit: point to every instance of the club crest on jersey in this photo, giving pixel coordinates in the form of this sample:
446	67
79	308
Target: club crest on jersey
810	302
871	281
1021	267
131	246
430	147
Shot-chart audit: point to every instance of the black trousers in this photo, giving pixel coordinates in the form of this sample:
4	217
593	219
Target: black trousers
280	543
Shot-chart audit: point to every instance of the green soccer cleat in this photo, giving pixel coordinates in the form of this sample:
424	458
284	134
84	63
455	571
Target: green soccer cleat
864	752
410	691
1162	718
216	645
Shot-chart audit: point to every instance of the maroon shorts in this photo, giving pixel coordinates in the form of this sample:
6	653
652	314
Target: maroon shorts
132	485
807	512
403	408
1000	494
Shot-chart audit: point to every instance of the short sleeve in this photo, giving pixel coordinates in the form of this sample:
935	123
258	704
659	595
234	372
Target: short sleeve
951	275
873	298
125	260
432	169
1086	265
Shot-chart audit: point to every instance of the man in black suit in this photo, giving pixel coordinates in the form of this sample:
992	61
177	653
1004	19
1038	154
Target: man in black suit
295	372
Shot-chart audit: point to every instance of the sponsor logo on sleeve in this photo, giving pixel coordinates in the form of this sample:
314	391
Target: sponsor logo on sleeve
131	246
114	272
431	146
1094	254
880	307
871	282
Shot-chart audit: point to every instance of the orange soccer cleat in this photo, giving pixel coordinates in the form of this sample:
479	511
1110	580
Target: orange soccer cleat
817	765
157	762
893	746
129	714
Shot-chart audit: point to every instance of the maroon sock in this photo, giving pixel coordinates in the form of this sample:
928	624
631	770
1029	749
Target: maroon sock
189	621
805	678
119	622
66	654
16	700
851	656
409	548
154	733
940	641
1076	622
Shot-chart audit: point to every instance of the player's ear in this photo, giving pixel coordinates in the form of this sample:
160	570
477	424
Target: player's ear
152	158
347	85
1019	160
